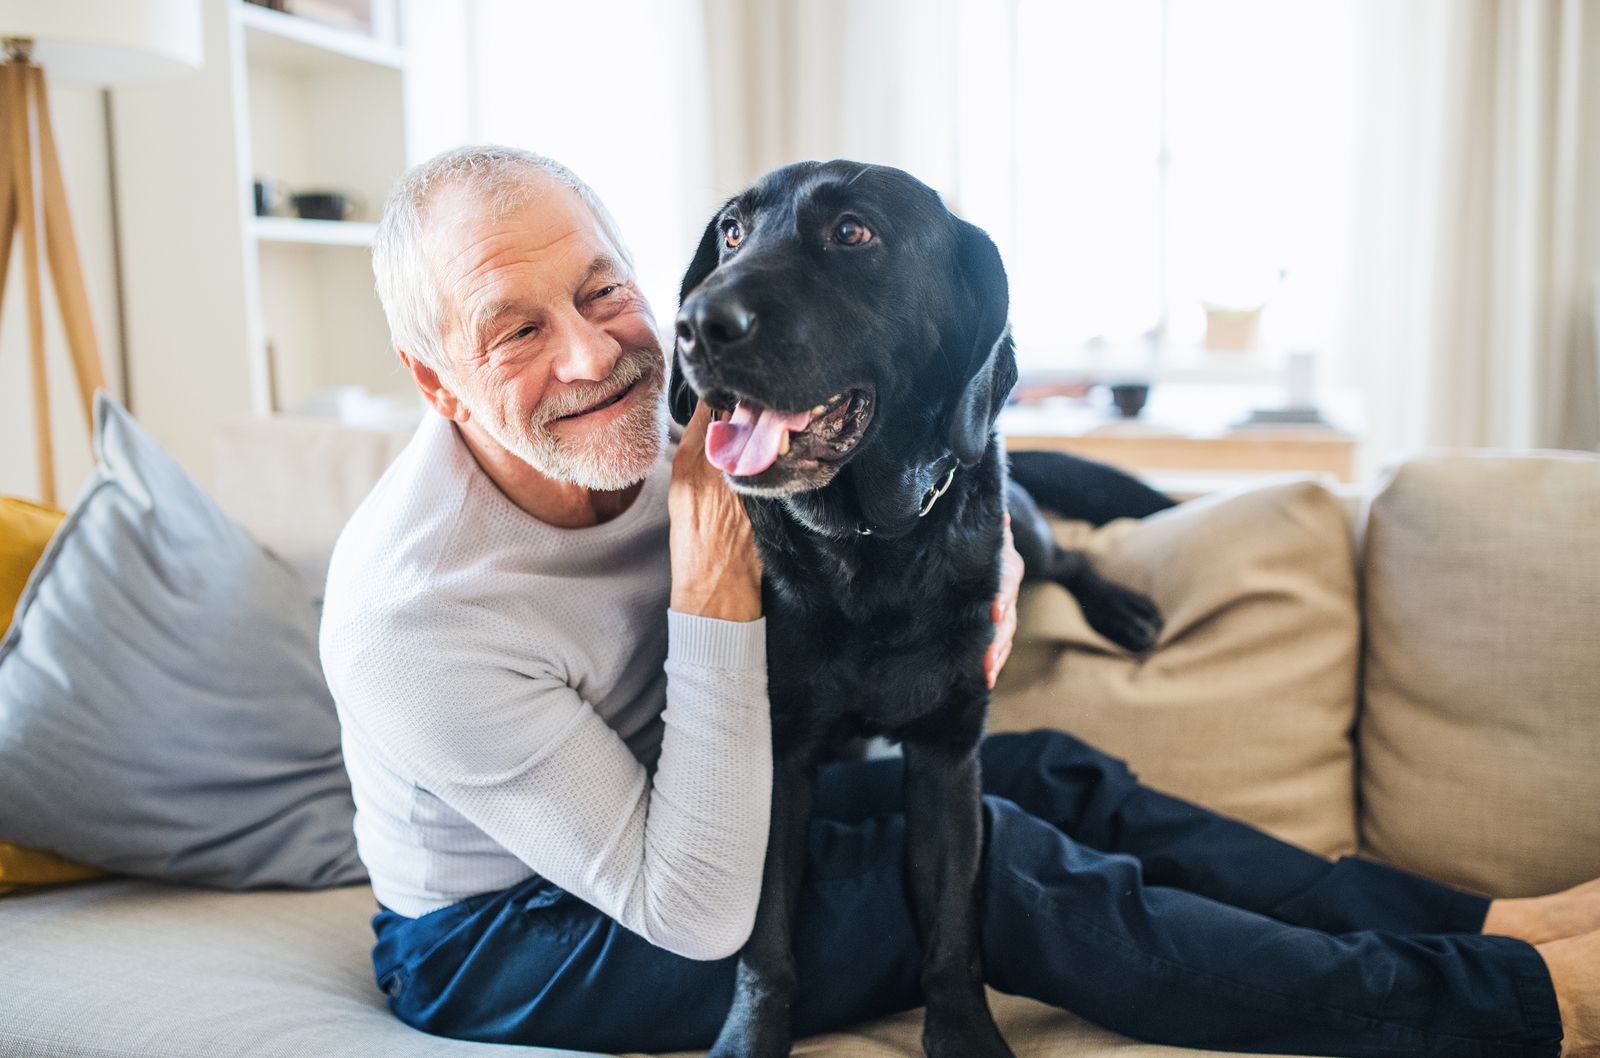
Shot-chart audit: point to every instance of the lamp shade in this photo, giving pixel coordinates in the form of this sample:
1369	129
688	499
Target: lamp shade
103	43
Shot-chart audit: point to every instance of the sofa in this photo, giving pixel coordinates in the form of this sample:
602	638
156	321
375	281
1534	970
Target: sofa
1411	674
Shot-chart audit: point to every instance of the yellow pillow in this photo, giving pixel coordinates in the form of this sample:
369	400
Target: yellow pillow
22	867
25	529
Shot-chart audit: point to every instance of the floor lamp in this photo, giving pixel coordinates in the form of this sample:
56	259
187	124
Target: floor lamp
76	40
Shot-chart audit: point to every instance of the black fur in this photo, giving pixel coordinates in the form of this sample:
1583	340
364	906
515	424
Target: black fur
878	617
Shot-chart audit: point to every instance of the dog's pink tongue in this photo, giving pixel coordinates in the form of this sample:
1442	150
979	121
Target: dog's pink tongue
748	443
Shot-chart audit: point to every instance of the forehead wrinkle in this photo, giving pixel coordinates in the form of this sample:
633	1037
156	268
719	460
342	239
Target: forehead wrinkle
464	267
458	206
497	258
483	318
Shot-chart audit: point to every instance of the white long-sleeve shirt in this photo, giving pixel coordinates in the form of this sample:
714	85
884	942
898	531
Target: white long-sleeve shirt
517	698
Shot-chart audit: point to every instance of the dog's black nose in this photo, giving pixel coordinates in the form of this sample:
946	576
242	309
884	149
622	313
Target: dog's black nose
717	322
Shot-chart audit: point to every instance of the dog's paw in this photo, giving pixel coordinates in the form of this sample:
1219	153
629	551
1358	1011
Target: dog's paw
1130	620
753	1038
972	1035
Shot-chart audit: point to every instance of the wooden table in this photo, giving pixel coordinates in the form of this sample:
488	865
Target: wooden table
1140	447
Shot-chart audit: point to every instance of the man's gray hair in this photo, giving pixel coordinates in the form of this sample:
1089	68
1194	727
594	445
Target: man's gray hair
498	177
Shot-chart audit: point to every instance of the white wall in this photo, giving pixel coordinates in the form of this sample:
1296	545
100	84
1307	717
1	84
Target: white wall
79	119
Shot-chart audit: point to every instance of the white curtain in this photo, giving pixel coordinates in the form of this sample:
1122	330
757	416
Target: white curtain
1474	237
872	80
1478	225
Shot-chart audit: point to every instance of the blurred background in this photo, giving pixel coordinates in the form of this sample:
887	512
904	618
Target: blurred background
1243	236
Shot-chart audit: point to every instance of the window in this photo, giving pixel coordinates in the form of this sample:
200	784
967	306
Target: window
1166	155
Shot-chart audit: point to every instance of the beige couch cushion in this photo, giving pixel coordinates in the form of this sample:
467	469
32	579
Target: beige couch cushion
1247	703
1480	739
161	971
293	482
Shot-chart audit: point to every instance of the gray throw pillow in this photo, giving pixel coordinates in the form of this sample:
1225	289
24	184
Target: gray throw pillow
162	706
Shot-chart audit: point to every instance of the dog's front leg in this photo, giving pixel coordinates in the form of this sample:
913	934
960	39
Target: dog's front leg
761	1021
944	849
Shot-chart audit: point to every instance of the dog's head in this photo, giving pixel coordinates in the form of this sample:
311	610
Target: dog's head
838	314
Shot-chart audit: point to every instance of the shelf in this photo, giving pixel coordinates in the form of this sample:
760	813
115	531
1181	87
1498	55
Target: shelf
313	232
302	44
1186	363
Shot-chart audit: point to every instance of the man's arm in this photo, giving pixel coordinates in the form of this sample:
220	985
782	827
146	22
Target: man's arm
524	758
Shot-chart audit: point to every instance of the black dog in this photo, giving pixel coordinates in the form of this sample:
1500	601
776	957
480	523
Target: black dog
850	293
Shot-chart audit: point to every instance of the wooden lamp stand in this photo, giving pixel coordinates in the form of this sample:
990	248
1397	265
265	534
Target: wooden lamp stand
31	185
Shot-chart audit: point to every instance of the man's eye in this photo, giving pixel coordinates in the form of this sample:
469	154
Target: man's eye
851	232
732	233
605	291
524	331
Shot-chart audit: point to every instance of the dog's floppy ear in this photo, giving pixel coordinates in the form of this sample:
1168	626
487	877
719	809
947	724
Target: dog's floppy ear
680	397
990	364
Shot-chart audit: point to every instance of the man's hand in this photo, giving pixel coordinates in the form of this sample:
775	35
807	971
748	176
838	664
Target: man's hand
1004	612
715	569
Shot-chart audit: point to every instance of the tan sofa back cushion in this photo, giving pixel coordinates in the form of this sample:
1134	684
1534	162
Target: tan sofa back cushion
1480	737
1247	703
293	483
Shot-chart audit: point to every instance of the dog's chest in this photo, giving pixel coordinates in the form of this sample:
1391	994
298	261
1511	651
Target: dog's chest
879	645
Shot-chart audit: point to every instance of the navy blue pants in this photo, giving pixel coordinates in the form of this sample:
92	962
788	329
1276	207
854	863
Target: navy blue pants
1136	910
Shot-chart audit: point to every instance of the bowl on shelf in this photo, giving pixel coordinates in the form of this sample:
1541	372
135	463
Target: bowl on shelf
1129	397
324	205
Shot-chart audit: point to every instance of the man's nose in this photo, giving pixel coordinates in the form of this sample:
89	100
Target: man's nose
712	324
588	355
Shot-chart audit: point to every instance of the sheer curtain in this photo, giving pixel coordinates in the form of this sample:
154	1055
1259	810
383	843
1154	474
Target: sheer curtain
1470	191
1473	175
873	80
1477	224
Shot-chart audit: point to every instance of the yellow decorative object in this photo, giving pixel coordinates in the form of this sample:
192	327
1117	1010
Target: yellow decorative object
25	529
22	867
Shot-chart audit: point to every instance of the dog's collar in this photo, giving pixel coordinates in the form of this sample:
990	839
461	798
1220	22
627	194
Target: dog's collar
929	498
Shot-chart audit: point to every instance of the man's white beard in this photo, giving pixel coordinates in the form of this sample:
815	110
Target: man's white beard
606	460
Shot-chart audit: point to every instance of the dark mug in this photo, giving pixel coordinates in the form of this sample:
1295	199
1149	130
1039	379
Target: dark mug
324	205
1129	397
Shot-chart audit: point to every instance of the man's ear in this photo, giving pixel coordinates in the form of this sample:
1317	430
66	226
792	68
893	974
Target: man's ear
680	396
434	391
991	360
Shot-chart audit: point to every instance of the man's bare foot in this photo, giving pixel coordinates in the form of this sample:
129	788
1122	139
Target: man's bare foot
1574	965
1537	919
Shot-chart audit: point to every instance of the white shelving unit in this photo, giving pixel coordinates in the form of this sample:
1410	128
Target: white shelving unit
325	109
313	232
295	42
231	314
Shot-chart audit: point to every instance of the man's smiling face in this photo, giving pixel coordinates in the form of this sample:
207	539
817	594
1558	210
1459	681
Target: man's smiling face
552	347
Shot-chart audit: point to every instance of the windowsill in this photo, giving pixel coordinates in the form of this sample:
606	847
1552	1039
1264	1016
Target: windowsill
1140	362
1193	427
1187	409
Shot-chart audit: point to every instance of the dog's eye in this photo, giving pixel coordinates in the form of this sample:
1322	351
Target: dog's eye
732	233
851	232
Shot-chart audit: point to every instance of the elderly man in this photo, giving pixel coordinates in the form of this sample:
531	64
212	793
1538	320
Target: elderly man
543	631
